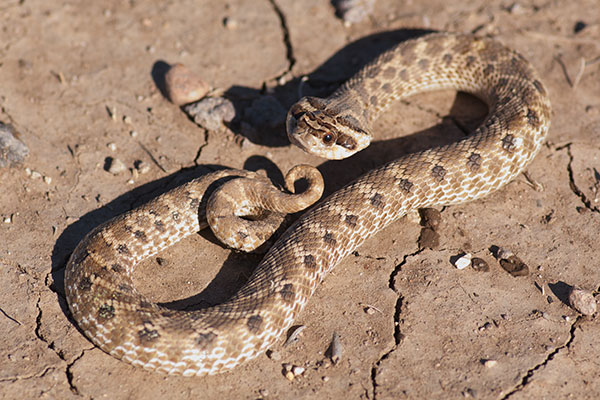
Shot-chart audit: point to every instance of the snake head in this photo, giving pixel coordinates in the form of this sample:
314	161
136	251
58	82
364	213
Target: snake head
327	133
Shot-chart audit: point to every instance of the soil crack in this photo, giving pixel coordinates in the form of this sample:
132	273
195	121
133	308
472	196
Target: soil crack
398	336
527	377
289	49
578	192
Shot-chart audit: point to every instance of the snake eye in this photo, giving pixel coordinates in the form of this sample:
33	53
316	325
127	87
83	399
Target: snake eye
327	138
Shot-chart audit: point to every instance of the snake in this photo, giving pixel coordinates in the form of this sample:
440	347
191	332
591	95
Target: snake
112	313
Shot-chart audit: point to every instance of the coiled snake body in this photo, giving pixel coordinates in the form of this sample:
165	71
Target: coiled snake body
123	323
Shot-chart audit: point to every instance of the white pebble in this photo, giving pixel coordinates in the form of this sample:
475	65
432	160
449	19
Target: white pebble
116	166
296	370
464	261
490	363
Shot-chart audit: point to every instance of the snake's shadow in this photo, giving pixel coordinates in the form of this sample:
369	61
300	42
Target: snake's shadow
237	268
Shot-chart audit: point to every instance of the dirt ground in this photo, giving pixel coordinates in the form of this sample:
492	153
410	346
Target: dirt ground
80	82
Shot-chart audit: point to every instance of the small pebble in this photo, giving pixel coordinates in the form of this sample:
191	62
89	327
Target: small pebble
463	261
133	134
230	23
583	301
353	11
210	113
479	264
112	146
12	150
141	167
47	180
8	219
183	86
36	175
114	166
273	355
490	363
297	371
335	348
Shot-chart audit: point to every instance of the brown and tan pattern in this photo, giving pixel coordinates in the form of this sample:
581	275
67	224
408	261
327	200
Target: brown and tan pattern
124	324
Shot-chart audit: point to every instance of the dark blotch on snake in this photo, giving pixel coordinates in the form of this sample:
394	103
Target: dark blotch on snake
351	220
405	185
160	226
205	339
287	293
329	239
377	200
488	69
116	267
85	283
438	173
141	235
533	118
389	73
148	335
123	249
254	323
447	58
423	64
474	162
106	311
508	143
310	262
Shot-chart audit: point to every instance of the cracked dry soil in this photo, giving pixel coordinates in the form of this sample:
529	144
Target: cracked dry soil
78	83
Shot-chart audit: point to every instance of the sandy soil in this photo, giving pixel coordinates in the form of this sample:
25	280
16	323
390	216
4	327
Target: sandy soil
79	80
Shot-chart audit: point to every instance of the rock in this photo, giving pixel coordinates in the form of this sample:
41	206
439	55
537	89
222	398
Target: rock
353	11
583	301
210	113
183	86
12	150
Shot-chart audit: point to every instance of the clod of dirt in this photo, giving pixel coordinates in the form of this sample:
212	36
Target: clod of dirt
211	112
429	239
353	11
583	301
12	150
479	264
430	217
183	86
514	266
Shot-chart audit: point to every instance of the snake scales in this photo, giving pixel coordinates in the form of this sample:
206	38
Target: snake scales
118	319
